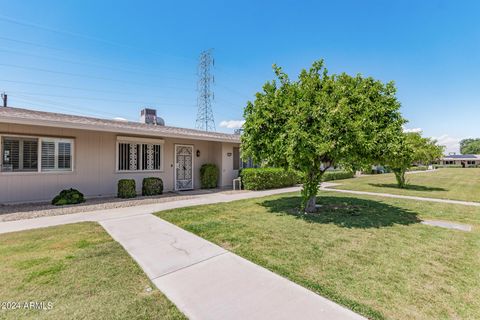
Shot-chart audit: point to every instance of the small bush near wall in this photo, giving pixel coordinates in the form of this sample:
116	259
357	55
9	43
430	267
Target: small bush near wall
69	196
152	186
337	175
126	188
208	176
267	178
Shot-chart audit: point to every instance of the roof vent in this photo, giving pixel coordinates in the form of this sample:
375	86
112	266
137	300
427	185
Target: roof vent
149	116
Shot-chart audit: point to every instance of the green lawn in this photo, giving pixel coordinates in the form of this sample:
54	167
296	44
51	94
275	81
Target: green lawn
82	271
370	254
455	184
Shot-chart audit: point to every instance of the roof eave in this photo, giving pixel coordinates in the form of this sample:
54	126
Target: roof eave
81	126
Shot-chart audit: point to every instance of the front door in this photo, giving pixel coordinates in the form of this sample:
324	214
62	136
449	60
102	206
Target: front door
183	167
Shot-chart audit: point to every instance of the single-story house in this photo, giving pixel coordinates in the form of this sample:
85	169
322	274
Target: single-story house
44	152
463	160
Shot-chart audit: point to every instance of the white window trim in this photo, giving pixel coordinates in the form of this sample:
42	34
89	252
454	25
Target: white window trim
56	141
39	154
135	140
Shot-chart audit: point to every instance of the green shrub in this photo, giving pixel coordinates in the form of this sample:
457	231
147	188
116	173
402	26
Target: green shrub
437	166
267	178
126	188
68	196
418	168
337	175
152	186
208	176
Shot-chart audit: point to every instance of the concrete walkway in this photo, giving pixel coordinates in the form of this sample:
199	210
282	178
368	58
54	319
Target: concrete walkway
202	279
327	187
207	282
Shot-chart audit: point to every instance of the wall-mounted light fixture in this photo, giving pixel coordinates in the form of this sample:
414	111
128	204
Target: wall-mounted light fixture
198	153
229	154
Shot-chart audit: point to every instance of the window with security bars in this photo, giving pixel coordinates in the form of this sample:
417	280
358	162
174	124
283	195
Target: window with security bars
139	156
19	154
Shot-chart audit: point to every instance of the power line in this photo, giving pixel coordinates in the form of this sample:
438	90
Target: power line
80	75
104	66
80	35
34	44
50	106
99	99
90	64
66	105
205	120
30	94
67	87
88	37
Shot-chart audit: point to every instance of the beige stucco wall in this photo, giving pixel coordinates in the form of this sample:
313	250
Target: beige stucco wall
95	163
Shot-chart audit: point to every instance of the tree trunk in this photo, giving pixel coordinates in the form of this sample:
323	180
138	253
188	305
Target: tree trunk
310	190
400	176
310	206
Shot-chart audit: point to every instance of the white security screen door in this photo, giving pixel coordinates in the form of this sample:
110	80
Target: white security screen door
183	167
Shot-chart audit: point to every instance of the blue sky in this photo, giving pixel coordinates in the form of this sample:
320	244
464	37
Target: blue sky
110	58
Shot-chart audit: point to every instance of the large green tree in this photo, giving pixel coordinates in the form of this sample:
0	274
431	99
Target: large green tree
470	146
407	149
320	120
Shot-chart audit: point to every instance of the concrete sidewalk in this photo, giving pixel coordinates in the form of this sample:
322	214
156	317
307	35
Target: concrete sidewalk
207	282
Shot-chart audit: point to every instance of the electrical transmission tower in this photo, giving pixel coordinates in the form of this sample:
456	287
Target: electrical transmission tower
205	120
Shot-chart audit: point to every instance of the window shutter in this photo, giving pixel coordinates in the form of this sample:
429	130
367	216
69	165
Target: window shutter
48	155
11	154
64	155
30	155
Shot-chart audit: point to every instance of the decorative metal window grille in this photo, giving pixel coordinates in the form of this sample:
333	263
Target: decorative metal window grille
134	157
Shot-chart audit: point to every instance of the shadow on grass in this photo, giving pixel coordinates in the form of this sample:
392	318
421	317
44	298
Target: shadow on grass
407	187
345	212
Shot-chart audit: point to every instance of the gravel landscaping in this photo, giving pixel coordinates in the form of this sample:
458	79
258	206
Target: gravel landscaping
35	210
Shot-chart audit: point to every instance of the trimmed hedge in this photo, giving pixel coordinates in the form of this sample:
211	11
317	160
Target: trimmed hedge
208	176
418	168
337	175
126	188
68	196
152	186
267	178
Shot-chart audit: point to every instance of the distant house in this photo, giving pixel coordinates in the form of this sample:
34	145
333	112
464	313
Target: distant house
43	153
461	160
